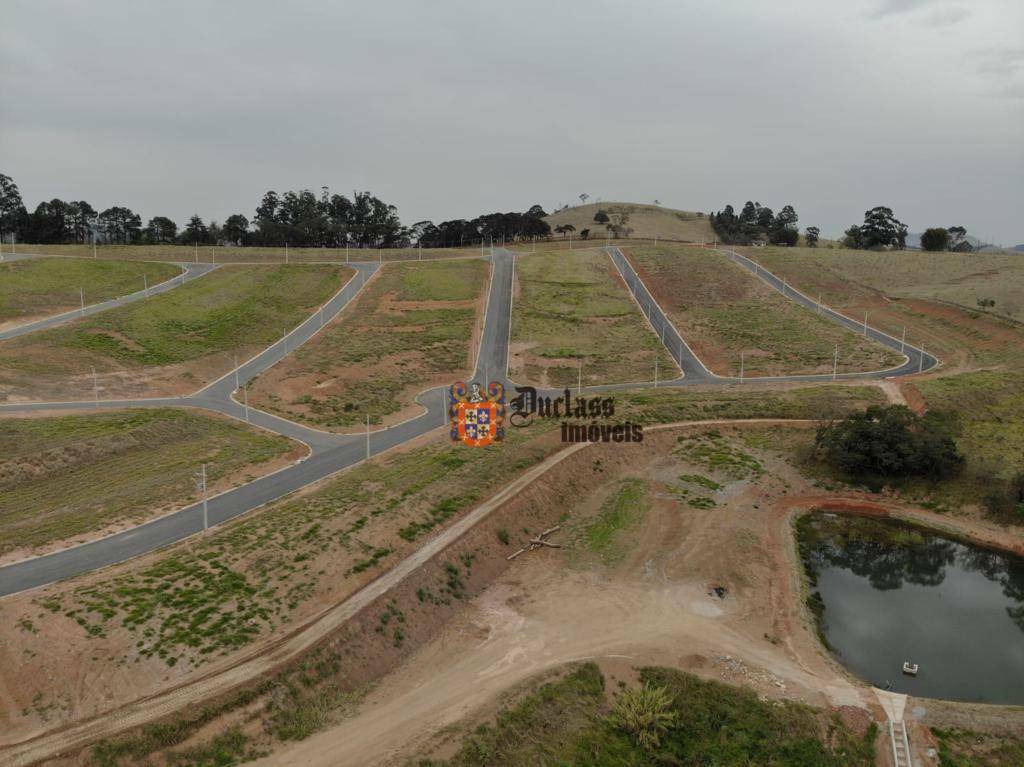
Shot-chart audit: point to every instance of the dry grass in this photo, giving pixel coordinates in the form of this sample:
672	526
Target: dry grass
959	278
723	311
647	221
412	328
572	308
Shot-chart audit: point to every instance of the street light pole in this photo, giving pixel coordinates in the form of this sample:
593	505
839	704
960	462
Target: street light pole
835	363
81	300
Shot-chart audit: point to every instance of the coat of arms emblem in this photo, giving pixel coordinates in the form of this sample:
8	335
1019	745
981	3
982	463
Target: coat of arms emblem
477	417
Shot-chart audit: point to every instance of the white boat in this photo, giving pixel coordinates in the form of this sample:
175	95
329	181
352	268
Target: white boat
909	668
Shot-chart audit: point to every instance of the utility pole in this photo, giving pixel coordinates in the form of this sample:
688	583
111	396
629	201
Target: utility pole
835	363
920	360
819	303
903	340
81	300
245	397
145	284
93	244
201	481
865	323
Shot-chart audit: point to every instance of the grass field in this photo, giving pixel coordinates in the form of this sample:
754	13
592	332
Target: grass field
646	221
200	325
724	312
46	286
410	329
569	721
572	308
959	278
66	476
234	255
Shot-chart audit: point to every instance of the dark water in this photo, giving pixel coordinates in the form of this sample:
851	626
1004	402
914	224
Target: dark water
893	593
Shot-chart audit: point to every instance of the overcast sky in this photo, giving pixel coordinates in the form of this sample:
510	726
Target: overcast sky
451	109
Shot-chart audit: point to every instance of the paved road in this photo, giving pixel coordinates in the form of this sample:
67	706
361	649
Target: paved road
695	372
330	453
189	272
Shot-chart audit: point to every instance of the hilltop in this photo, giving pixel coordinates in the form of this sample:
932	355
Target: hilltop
645	221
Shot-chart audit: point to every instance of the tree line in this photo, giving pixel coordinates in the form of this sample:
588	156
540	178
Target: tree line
297	218
757	223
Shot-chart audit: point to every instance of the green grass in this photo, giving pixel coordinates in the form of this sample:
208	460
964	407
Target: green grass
723	311
718	454
569	722
65	476
671	406
231	309
624	507
412	327
51	285
212	595
573	307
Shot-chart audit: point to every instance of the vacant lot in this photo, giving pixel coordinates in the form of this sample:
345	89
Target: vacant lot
45	286
190	604
724	312
959	278
171	343
65	477
232	255
646	221
573	308
413	327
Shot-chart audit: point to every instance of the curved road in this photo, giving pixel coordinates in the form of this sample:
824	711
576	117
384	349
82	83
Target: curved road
331	453
189	272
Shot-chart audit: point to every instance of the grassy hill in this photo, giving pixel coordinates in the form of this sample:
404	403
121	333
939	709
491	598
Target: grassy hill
645	221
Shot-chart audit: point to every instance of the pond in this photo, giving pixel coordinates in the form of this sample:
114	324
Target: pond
886	592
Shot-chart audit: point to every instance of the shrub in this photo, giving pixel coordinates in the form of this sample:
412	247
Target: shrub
645	713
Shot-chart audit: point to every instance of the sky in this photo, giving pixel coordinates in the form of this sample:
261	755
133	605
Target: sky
450	109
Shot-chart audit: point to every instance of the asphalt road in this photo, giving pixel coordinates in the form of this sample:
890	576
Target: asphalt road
189	273
331	453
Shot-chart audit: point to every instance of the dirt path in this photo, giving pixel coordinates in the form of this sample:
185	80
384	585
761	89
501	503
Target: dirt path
265	658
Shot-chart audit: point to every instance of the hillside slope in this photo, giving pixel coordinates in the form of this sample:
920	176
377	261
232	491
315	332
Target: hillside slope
644	220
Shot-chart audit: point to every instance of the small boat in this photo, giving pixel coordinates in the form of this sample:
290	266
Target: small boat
909	668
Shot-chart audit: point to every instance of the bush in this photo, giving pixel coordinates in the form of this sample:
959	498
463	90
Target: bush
935	239
891	443
645	713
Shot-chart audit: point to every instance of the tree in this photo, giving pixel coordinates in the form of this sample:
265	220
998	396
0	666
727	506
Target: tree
48	223
81	217
120	225
584	234
12	209
161	229
958	240
601	217
881	229
812	234
853	238
236	229
196	232
564	229
934	239
583	198
893	442
536	211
